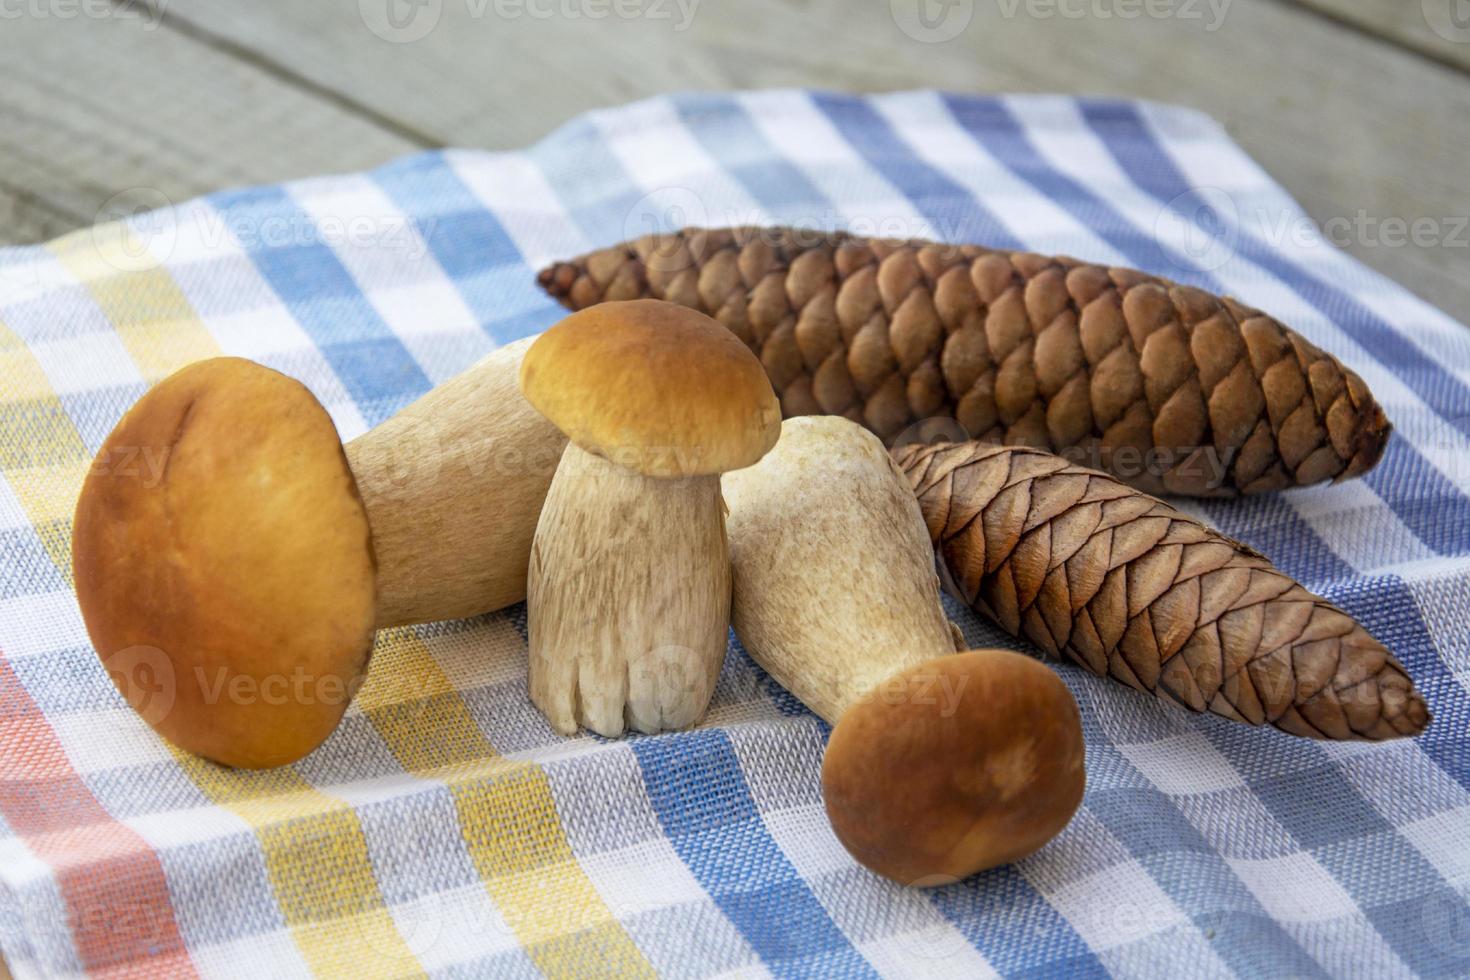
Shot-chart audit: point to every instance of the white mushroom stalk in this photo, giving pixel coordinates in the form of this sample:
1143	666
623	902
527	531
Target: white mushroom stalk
628	590
940	763
835	588
452	485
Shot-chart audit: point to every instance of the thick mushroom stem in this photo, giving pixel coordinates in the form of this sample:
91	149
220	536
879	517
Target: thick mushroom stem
452	486
835	589
607	533
940	764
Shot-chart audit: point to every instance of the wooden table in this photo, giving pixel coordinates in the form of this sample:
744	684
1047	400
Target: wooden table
1361	108
1356	106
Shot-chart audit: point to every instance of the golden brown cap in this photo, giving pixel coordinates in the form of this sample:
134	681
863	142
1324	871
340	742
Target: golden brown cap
224	564
653	386
960	764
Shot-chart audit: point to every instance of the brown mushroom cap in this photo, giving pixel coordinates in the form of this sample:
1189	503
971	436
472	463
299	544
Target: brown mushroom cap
220	542
653	386
957	765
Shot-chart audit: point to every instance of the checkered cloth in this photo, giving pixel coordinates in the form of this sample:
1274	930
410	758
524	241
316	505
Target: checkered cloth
445	829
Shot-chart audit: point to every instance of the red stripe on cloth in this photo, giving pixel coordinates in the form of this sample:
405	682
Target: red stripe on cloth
117	901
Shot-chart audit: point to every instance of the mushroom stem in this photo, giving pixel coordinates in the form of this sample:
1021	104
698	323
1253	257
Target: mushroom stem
940	764
452	486
607	533
834	588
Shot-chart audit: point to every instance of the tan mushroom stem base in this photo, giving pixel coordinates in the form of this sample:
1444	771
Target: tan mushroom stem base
941	764
452	486
607	533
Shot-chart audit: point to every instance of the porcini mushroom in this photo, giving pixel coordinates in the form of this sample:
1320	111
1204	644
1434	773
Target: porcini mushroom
941	764
249	564
628	595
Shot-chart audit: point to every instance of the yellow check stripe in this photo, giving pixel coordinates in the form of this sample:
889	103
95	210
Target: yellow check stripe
318	863
506	811
42	455
313	845
150	313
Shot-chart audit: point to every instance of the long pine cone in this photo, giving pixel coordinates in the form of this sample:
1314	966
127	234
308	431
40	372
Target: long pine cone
1168	387
1126	586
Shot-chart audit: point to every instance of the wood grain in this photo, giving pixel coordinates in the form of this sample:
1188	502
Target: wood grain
1345	122
95	108
1437	29
219	95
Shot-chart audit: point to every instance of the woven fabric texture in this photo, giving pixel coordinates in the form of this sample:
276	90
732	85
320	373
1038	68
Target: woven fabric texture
445	830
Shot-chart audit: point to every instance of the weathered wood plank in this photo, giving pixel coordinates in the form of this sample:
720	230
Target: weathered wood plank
94	107
1346	123
1437	29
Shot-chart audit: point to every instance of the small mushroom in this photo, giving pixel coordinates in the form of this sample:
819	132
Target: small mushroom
628	598
941	764
227	541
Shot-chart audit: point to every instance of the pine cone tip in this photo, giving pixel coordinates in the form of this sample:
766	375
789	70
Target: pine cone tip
1373	434
557	279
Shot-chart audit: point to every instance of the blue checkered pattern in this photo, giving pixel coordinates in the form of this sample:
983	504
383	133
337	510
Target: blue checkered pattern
1203	847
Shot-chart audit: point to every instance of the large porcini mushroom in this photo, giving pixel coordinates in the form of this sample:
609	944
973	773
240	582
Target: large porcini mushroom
227	544
628	596
941	764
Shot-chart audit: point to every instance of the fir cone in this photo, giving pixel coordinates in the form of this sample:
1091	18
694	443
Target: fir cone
1126	586
1168	387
